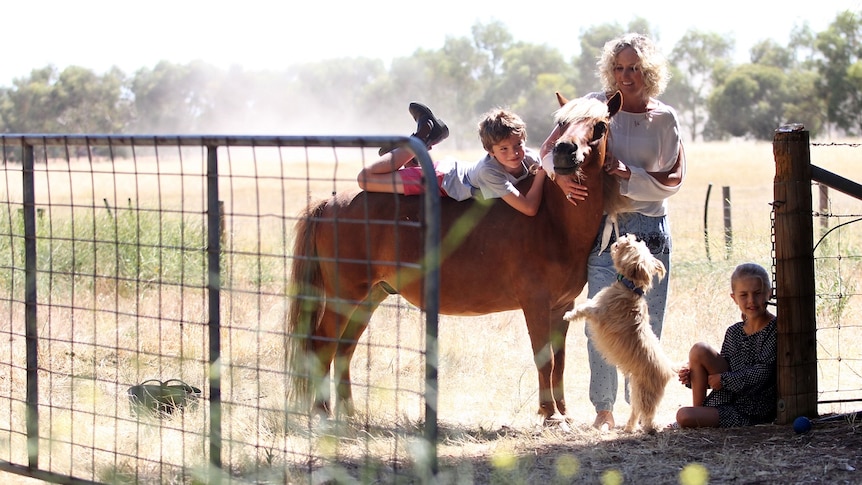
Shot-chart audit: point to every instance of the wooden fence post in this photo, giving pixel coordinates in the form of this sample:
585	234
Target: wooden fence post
794	273
728	229
705	222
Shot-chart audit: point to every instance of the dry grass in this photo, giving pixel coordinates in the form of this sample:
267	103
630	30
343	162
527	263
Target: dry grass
488	384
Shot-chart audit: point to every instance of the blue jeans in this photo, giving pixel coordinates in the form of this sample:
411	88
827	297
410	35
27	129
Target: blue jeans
601	273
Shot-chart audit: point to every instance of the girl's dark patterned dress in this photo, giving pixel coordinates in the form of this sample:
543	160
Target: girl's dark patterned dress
749	389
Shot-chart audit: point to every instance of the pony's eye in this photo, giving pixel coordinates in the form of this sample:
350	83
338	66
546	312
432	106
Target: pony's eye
599	131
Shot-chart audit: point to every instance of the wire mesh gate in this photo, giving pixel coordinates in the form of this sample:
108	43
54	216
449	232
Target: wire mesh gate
143	287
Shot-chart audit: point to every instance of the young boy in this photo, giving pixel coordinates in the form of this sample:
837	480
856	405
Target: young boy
496	175
743	375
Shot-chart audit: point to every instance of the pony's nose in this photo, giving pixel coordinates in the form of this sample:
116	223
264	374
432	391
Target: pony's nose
565	158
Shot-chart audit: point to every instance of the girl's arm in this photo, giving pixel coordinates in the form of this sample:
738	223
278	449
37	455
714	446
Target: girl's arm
763	370
752	377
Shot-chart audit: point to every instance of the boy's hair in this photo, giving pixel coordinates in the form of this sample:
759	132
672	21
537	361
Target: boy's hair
497	125
752	269
653	64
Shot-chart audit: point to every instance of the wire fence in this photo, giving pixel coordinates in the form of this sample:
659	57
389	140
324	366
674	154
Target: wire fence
838	270
143	288
115	371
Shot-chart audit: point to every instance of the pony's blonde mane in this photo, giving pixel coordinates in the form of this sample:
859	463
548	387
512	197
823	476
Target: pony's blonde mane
580	109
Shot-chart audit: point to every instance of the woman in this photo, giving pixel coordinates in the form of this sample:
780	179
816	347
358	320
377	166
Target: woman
645	154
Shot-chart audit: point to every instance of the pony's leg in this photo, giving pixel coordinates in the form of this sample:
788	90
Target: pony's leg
539	328
347	343
559	330
323	346
326	341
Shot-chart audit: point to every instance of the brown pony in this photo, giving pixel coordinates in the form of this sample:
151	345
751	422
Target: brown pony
503	260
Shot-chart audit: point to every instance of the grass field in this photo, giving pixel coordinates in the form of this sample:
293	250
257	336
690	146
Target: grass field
105	333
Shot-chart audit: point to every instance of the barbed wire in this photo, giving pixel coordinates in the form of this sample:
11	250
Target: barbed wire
836	144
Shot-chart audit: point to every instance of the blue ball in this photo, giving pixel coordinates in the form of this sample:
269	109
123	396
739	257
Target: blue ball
802	425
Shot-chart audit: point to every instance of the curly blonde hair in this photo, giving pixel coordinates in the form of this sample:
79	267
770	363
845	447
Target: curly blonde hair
654	66
499	124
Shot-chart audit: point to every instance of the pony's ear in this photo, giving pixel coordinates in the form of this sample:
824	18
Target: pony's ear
615	103
560	99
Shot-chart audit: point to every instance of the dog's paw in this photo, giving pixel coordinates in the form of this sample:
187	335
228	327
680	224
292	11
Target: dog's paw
570	315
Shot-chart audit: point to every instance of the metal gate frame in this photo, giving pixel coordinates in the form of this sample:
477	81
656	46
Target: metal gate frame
431	264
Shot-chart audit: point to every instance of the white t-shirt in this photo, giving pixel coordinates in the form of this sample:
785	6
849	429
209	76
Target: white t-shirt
487	176
645	142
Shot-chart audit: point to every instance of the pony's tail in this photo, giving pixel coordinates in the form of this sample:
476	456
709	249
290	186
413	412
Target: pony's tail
305	293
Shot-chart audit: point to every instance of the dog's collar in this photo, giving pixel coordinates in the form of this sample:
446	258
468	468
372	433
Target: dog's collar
630	285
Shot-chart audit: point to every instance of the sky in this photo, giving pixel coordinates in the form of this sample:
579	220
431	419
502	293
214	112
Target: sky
274	34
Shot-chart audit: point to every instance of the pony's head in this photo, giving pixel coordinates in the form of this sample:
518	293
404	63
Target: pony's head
584	127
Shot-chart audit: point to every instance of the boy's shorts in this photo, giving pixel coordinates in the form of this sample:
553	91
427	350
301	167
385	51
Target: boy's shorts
411	178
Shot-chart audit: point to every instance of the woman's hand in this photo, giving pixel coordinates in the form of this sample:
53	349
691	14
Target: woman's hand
617	168
574	191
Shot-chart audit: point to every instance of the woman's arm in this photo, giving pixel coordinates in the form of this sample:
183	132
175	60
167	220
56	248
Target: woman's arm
550	141
669	178
674	176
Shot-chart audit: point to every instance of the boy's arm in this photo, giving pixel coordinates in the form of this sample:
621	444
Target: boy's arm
528	202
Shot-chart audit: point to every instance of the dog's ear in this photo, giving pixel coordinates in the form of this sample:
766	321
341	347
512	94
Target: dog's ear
642	271
659	268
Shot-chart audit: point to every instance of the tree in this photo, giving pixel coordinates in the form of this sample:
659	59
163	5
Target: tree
767	52
89	103
840	48
27	106
591	41
537	104
699	58
448	80
170	98
750	103
526	86
333	93
804	103
492	39
75	100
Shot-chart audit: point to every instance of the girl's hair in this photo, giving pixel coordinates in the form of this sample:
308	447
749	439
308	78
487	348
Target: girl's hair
499	124
752	269
652	63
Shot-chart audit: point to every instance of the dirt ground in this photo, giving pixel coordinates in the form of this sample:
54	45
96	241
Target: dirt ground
769	454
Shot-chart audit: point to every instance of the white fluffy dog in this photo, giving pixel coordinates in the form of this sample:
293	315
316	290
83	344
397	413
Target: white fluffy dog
618	320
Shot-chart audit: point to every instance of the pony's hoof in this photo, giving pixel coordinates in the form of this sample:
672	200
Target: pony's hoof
557	421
